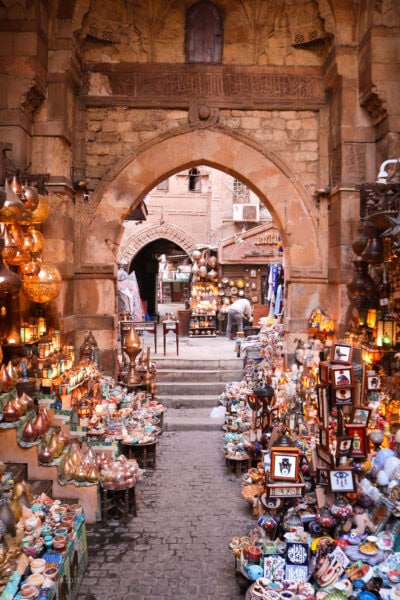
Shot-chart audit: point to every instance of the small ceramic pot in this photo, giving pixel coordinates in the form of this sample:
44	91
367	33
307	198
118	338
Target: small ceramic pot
29	591
38	565
50	573
61	531
45	530
68	522
59	542
76	509
48	540
36	579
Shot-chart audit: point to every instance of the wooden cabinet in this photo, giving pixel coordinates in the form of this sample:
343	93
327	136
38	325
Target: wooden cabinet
202	325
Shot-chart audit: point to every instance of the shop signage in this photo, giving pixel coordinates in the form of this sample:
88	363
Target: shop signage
256	246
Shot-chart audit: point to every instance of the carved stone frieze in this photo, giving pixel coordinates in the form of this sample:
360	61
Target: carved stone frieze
186	85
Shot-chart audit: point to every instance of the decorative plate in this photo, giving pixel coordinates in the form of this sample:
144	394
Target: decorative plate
369	549
394	576
385	540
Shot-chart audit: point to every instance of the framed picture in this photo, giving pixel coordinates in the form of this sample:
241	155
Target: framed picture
324	372
253	273
324	455
322	476
341	481
323	405
284	464
361	415
359	434
344	445
324	437
342	353
342	396
342	377
373	382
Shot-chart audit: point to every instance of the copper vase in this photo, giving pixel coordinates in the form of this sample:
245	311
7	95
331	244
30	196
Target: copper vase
29	433
45	455
361	287
5	380
10	414
41	425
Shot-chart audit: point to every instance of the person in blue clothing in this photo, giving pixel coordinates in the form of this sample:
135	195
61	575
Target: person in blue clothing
237	312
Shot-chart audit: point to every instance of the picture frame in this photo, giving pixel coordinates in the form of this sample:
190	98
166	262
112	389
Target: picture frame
342	354
342	481
323	405
342	376
253	273
373	382
342	396
322	476
344	445
361	415
360	442
324	437
324	372
284	464
324	455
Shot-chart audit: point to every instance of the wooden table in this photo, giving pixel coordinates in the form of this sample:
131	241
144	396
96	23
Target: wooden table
171	326
118	503
145	454
238	465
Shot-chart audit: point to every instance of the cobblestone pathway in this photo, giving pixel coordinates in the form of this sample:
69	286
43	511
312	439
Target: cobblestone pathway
177	546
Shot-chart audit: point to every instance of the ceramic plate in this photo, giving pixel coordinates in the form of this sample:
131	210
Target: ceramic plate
369	549
385	540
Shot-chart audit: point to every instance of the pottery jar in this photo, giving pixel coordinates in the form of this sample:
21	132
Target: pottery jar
36	579
29	591
50	573
59	542
38	565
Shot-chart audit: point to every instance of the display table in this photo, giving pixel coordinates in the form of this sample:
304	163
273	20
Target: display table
118	503
145	454
238	465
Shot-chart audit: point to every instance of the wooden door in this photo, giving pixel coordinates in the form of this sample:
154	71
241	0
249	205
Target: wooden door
203	33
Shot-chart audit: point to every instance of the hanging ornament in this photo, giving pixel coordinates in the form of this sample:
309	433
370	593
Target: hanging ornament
361	287
373	251
10	246
212	261
31	268
33	240
41	213
30	197
196	255
15	230
12	209
10	282
43	287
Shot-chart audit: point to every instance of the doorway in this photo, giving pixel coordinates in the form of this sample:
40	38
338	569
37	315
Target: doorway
160	281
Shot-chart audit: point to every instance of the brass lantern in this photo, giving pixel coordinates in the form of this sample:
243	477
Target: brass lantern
132	348
43	287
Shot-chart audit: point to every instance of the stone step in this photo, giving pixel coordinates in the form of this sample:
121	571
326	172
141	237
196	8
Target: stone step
186	388
197	374
197	419
183	364
188	401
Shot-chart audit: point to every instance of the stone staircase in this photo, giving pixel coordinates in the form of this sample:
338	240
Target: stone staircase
190	389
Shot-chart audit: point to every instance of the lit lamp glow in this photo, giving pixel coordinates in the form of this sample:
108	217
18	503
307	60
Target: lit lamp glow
386	333
371	318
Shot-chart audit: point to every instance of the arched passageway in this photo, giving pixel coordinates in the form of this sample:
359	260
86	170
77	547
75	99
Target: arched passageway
302	225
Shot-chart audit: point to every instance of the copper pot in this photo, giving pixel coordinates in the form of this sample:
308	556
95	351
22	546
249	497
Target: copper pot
29	434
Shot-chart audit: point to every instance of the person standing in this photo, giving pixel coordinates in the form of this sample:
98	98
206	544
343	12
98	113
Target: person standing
237	312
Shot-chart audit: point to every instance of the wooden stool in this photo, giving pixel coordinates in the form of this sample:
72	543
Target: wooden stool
145	454
238	465
118	503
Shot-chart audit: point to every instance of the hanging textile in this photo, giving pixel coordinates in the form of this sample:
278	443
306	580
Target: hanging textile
129	295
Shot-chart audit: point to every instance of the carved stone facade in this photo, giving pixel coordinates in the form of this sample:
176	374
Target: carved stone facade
306	95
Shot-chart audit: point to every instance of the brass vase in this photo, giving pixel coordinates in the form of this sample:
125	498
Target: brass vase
133	349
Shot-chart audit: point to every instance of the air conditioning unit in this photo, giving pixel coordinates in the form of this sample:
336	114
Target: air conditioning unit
246	212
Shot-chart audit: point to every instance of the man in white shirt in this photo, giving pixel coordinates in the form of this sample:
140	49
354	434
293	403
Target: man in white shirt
237	311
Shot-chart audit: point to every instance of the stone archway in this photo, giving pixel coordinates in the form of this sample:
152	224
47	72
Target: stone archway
136	242
302	224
